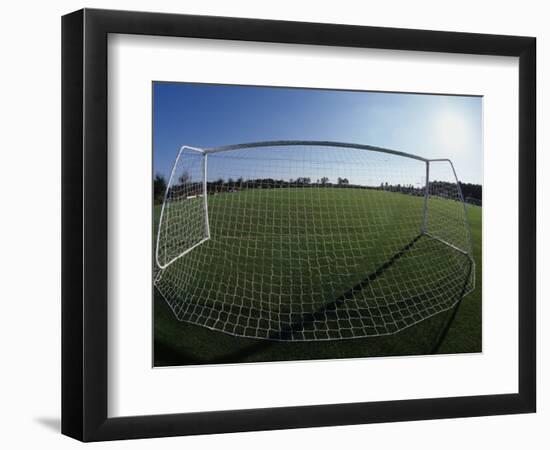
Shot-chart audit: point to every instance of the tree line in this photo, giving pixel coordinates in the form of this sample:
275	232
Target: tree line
470	192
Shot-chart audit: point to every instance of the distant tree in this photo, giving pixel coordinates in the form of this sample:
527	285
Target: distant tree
215	186
472	191
184	178
343	180
324	180
159	188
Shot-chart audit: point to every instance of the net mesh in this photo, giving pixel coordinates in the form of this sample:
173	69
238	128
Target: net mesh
306	242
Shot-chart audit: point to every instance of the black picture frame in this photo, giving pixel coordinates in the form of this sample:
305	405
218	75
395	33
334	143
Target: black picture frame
84	224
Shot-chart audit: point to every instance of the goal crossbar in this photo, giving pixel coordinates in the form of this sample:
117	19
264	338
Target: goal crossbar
287	143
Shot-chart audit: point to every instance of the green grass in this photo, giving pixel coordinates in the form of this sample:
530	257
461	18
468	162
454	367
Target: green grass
309	239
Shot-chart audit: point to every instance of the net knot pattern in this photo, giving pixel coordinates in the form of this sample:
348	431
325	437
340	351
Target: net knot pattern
308	241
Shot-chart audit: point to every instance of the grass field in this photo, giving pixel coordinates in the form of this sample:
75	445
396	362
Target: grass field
308	238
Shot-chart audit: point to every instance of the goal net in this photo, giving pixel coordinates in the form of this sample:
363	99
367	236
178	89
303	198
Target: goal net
311	240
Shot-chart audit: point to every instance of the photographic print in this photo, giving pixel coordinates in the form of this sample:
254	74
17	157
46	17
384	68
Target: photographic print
298	223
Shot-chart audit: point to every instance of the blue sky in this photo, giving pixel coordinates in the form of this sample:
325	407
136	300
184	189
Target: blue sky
432	126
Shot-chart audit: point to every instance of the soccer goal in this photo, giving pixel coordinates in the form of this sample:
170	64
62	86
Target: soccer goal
309	240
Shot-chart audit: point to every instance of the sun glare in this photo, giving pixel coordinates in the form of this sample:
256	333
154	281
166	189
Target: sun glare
452	131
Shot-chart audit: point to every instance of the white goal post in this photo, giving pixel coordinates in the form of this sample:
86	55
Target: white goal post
176	195
311	240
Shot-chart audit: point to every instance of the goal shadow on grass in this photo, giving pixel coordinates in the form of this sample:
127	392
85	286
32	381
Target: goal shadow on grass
309	318
284	336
